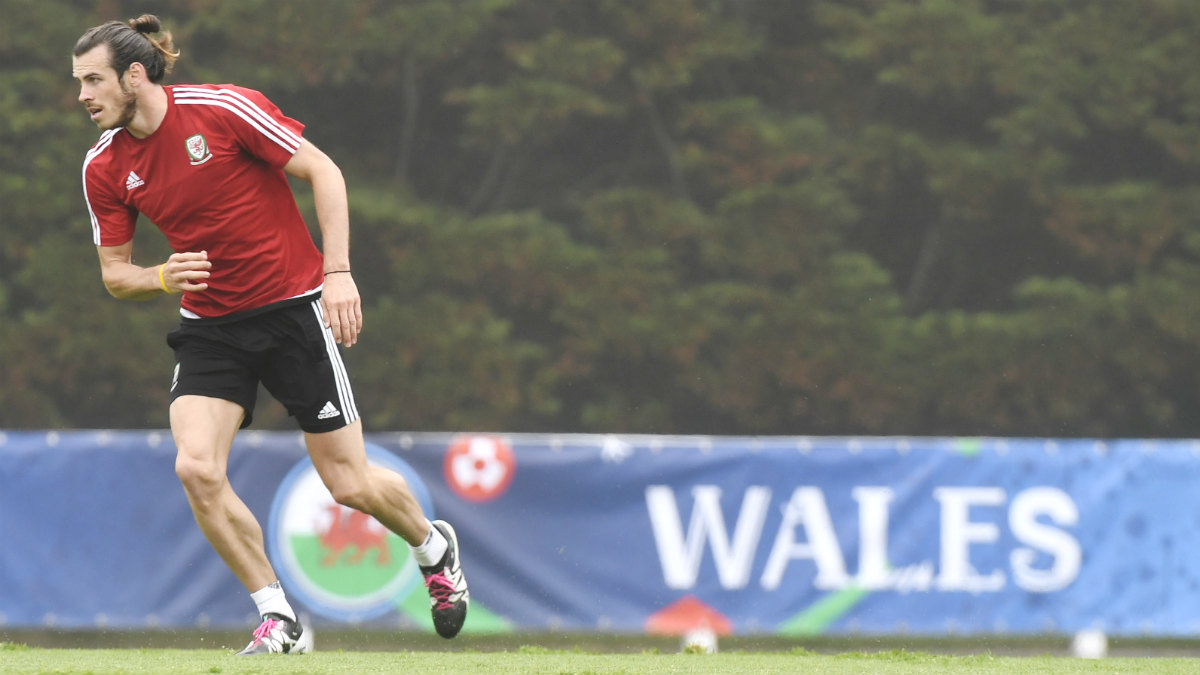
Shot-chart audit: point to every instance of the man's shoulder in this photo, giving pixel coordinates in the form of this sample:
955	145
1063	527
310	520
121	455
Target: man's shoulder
207	87
220	103
246	112
212	95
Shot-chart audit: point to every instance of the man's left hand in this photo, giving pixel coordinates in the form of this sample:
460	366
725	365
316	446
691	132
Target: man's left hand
343	308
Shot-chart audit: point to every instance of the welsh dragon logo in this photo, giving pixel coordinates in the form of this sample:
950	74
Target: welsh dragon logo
197	149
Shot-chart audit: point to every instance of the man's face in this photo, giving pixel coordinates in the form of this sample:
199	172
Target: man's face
108	100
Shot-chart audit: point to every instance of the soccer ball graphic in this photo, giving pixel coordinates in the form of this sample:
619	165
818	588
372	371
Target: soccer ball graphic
479	468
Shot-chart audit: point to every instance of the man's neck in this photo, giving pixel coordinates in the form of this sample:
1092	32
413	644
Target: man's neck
152	108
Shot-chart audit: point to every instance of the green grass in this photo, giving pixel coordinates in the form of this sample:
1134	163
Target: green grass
17	659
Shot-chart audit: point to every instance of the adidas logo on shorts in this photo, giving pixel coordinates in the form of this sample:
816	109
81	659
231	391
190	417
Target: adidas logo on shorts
328	411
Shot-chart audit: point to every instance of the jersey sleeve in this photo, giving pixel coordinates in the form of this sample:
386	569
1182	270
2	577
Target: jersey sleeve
113	222
260	126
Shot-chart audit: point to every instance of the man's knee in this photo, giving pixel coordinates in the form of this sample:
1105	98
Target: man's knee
354	493
201	479
367	490
203	429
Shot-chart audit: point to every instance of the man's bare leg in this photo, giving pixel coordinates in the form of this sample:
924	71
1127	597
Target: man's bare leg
340	458
204	429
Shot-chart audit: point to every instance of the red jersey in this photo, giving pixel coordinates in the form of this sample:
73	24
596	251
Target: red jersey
211	178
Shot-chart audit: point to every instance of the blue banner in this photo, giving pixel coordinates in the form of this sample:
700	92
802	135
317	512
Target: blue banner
791	535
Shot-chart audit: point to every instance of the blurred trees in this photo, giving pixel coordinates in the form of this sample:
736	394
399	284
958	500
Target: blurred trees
720	216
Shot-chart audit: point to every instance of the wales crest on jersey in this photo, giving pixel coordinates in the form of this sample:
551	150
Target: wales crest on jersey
197	149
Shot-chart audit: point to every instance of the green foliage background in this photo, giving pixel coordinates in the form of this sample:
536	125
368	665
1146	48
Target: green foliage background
967	217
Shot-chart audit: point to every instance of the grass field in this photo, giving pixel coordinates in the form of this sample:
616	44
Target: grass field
113	652
24	660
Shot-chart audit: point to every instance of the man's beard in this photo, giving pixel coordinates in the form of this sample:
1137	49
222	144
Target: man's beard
128	111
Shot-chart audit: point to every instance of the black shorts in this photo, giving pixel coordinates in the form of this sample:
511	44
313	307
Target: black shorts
289	350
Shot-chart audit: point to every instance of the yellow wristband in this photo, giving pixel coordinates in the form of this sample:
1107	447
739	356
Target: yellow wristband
162	282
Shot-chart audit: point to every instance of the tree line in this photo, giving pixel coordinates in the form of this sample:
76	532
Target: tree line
951	217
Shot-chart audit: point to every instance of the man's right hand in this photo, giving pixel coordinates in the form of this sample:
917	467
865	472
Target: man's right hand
186	272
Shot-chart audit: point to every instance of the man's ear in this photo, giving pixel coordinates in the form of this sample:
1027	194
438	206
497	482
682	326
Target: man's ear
136	73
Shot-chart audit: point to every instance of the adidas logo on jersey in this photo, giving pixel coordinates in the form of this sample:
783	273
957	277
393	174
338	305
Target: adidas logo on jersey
328	411
133	181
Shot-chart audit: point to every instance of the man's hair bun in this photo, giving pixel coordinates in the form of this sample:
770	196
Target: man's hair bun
146	23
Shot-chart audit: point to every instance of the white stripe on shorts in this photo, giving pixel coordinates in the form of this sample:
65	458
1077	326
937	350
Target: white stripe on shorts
345	395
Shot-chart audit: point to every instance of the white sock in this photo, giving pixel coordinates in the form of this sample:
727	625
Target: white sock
270	600
430	552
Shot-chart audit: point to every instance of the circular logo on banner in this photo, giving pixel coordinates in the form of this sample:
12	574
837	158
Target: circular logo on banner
341	562
479	468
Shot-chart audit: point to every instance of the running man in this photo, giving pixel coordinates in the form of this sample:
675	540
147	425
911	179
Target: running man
208	165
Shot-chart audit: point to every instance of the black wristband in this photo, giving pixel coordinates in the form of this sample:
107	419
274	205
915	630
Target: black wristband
337	272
